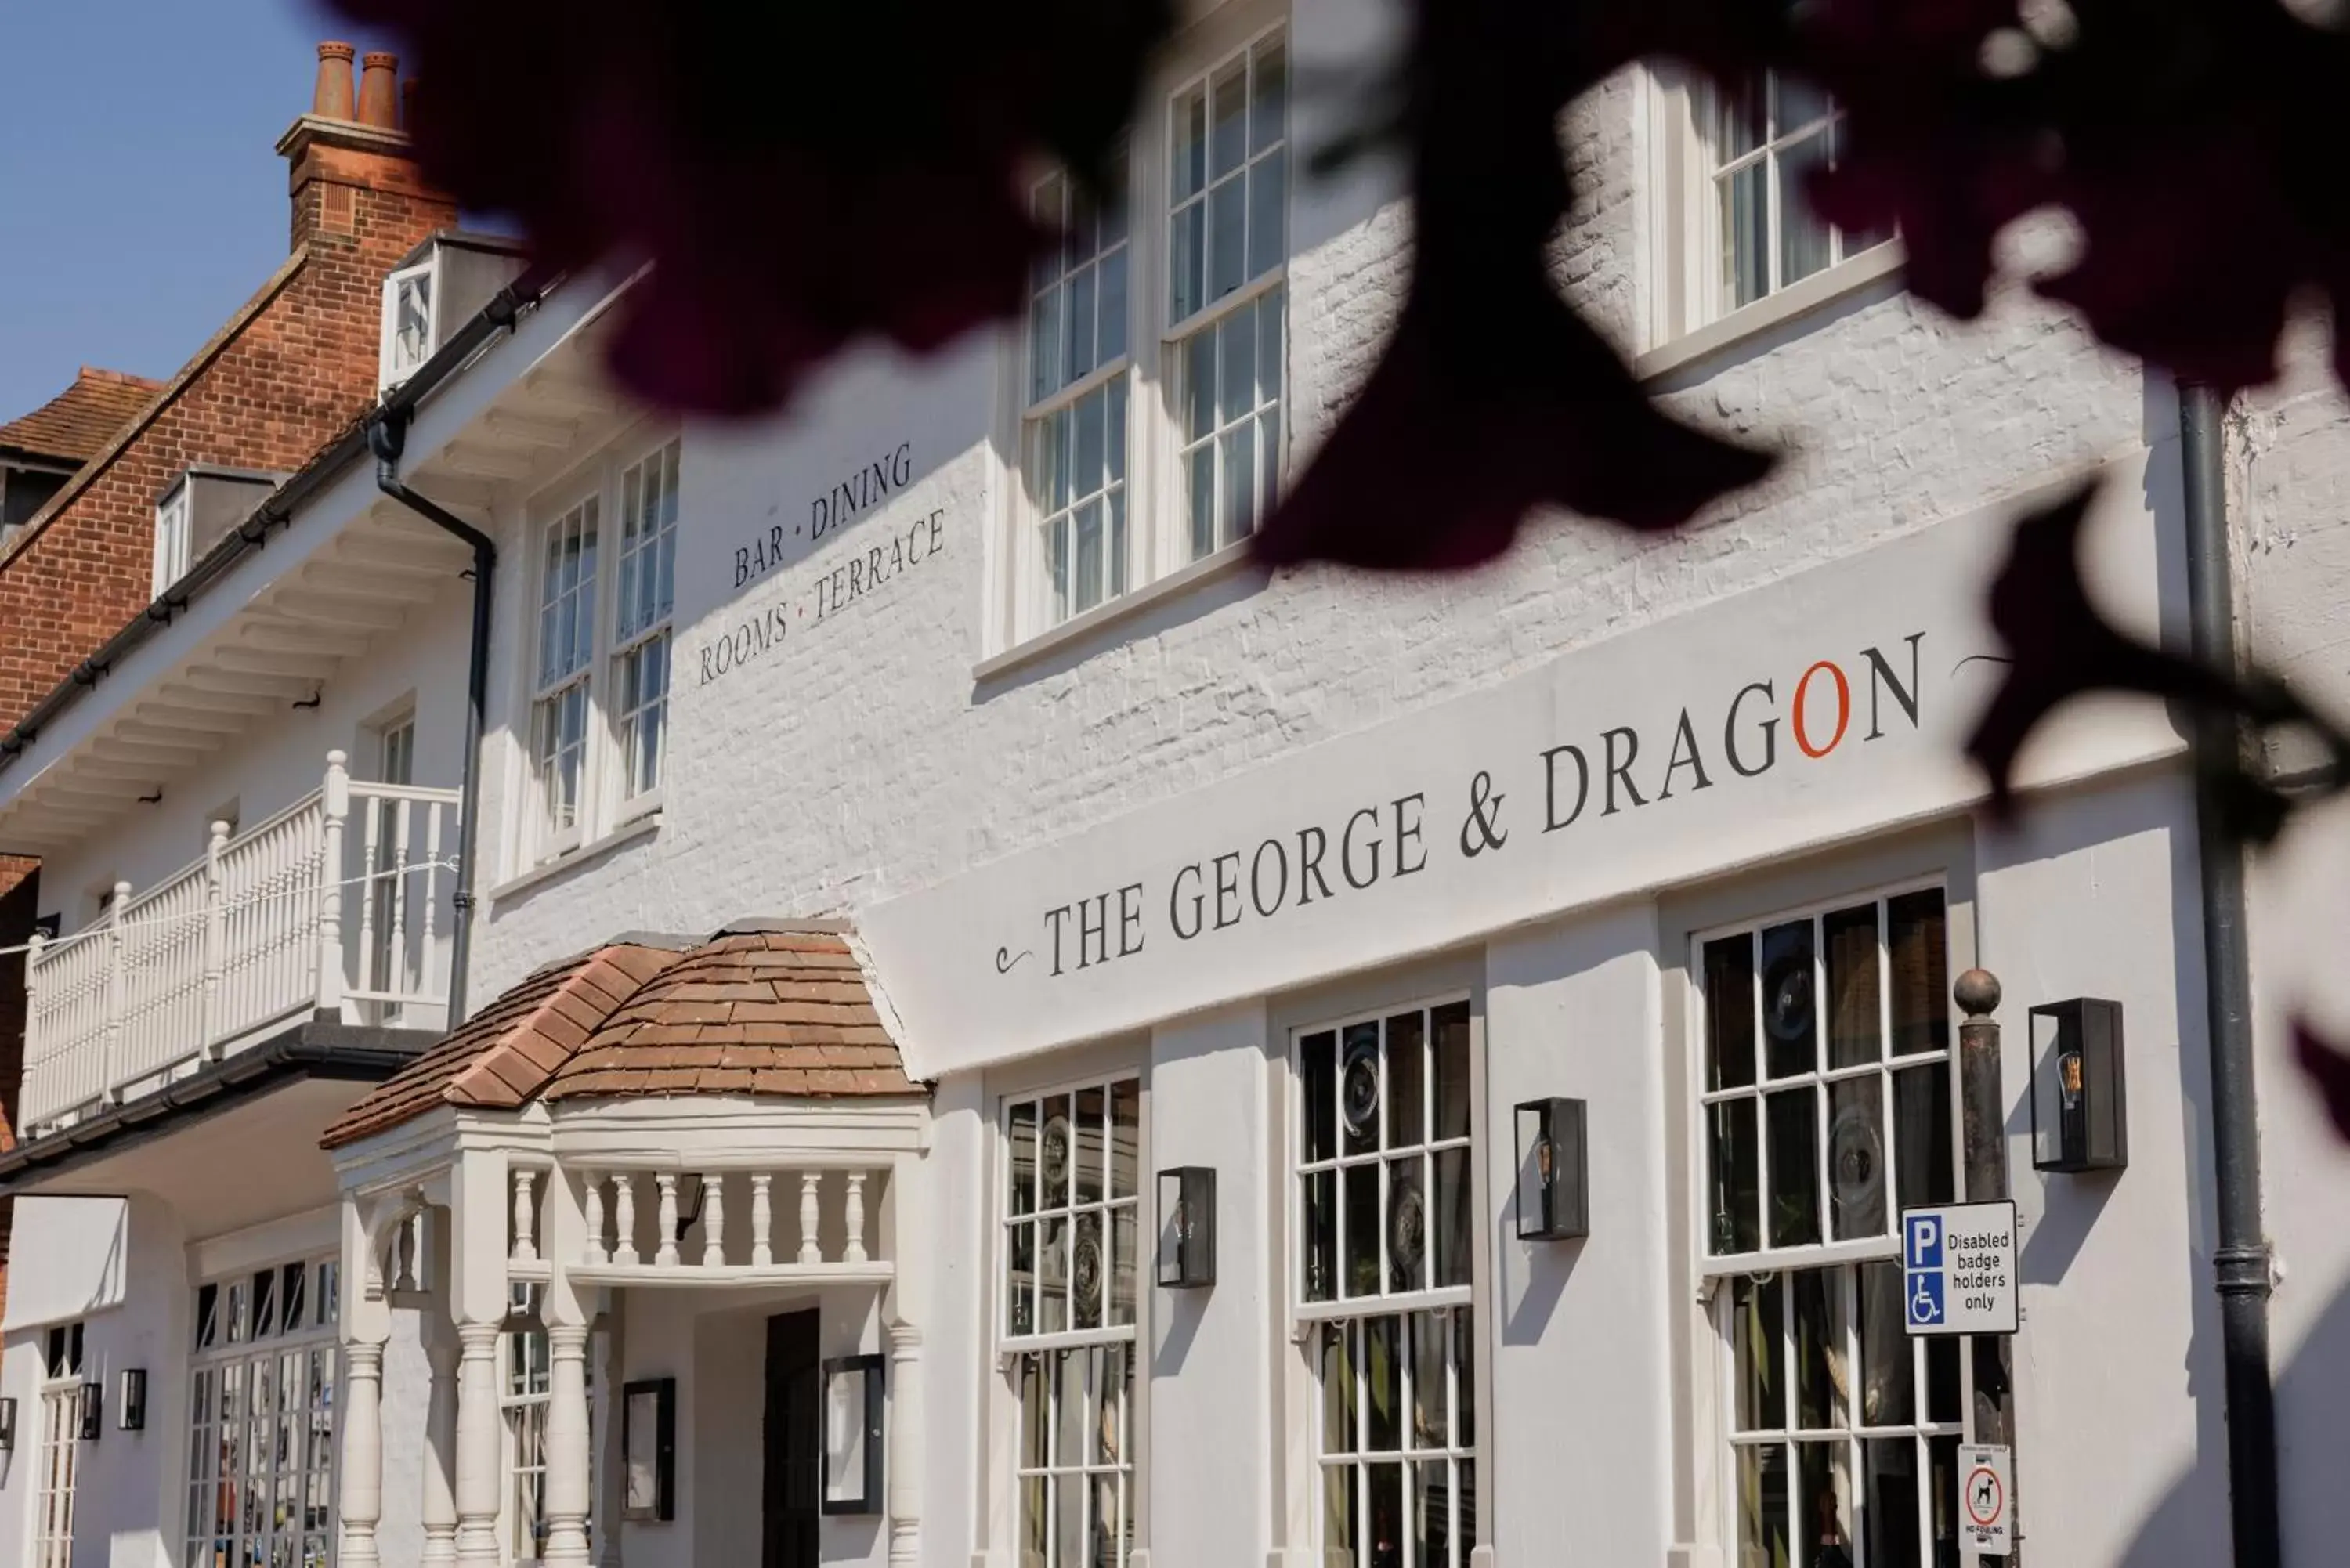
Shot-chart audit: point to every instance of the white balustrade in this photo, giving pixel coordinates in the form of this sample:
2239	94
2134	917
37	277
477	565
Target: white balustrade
834	1222
524	1249
250	937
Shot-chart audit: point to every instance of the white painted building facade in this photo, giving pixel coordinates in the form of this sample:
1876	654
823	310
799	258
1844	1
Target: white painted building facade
1153	863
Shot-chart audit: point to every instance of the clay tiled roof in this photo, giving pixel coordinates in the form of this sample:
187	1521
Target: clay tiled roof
505	1054
782	1011
75	424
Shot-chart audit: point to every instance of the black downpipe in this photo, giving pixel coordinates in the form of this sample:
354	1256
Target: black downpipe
2240	1261
389	438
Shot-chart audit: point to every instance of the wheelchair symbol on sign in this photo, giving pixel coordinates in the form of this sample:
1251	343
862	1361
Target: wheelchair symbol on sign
1925	1298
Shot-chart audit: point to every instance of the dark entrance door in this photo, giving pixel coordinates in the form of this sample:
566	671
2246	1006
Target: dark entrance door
788	1496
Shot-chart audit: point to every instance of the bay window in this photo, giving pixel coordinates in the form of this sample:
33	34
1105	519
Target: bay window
1385	1143
1071	1217
1825	1107
1153	360
600	681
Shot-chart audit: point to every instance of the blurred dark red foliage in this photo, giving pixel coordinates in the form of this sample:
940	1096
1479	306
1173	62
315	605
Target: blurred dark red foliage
802	175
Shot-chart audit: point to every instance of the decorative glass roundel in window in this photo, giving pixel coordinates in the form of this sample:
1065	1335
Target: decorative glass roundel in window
1787	996
1360	1091
1055	1155
1086	1275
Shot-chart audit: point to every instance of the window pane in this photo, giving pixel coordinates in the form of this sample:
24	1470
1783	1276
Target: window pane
1268	212
1796	104
1125	1136
1888	1397
1432	1421
1317	1090
1450	1024
1827	1523
1228	135
1762	1539
1407	1074
1080	318
1942	1396
1407	1226
1739	119
1270	105
1321	1202
1114	305
1730	1012
1434	1505
1121	1294
1270	344
1853	995
1186	262
1227	237
1920	971
1114	547
1921	1134
1383	1384
1803	238
1053	1278
1337	1388
1857	1156
1022	1188
1340	1536
1021	1307
1736	1178
1036	1413
1087	1270
1201	489
1822	1399
1114	429
1239	461
1088	572
1362	1200
1384	1484
1891	1514
1792	1124
1056	1149
1790	1030
1199	385
1189	160
1359	1088
1746	234
1455	1217
1757	1332
1236	365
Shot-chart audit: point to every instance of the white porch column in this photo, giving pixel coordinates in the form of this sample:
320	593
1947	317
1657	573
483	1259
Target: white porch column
440	1495
568	1494
478	1464
363	1499
905	1447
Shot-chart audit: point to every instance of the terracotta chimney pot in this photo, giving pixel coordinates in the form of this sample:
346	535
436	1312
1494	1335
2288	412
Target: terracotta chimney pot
331	99
378	91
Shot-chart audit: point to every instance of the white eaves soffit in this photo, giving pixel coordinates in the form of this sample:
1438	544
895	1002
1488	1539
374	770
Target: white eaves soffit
345	576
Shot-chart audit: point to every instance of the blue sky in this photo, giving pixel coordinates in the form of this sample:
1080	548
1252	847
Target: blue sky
141	200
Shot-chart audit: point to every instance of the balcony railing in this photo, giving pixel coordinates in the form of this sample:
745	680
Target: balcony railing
338	905
748	1221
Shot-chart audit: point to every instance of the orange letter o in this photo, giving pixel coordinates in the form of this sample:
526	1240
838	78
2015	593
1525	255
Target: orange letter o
1844	709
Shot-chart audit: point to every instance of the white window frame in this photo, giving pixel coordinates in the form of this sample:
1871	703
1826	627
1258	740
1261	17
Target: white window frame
59	1457
1315	1323
1116	1460
1722	1277
605	803
1687	293
395	364
171	531
1158	537
237	1352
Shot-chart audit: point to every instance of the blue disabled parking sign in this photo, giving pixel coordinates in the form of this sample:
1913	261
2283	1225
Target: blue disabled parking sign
1958	1268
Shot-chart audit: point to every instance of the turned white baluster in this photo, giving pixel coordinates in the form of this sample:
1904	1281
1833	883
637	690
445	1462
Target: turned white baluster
526	1216
666	1182
336	806
713	1220
763	1220
811	1252
855	1250
592	1184
624	1216
215	939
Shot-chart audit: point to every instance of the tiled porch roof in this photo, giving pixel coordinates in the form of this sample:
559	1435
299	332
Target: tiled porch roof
777	1011
781	1009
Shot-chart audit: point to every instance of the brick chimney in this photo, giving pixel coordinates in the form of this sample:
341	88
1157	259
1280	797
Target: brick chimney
352	182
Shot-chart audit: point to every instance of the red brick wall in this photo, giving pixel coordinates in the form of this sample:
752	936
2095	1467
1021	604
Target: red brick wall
280	388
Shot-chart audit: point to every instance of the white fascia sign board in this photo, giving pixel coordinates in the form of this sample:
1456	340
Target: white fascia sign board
1802	713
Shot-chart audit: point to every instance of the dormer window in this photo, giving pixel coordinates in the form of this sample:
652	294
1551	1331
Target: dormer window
408	324
171	539
436	288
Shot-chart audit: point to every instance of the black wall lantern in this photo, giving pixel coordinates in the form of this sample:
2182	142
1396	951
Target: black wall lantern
7	1426
852	1434
2080	1111
1554	1171
1187	1227
92	1413
131	1403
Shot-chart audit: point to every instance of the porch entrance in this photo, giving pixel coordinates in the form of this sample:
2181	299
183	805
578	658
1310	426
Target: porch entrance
788	1494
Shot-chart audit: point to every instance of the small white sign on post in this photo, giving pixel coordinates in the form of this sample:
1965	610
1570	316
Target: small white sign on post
1986	1500
1958	1268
